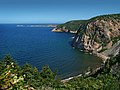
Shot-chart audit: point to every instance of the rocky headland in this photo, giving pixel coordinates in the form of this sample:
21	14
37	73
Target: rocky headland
70	26
57	30
99	35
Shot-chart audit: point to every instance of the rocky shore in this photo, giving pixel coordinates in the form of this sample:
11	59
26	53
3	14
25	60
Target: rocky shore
61	30
56	30
93	72
113	51
88	73
100	36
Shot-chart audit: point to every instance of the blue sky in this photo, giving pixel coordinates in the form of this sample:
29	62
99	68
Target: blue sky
54	11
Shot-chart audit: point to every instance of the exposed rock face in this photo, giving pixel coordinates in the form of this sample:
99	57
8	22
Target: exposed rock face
63	30
56	30
100	35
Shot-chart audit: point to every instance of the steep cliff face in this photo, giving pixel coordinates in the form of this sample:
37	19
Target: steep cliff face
99	35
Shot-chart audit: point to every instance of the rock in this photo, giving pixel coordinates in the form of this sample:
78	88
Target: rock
101	36
57	30
109	45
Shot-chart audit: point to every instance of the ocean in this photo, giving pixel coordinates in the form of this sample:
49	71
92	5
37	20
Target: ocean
38	46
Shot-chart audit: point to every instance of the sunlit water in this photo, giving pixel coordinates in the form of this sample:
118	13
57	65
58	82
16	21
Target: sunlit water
39	46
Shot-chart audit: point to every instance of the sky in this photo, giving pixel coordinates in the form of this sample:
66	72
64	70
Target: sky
54	11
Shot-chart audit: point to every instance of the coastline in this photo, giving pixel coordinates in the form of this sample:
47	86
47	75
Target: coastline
60	30
104	59
113	51
100	55
84	74
104	56
56	30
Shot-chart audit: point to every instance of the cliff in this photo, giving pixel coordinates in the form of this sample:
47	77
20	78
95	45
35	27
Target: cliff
99	35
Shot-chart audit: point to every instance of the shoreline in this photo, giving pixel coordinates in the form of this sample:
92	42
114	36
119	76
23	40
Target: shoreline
60	30
103	57
83	74
56	30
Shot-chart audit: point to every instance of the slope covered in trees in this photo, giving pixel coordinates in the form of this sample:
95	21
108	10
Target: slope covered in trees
14	77
74	24
71	25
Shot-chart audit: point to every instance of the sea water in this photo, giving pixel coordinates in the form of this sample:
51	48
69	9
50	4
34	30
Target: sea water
38	46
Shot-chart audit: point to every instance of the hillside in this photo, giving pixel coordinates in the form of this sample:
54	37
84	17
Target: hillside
99	35
15	77
70	26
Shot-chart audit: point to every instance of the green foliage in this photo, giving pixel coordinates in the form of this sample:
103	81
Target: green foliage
9	78
110	30
97	40
105	80
14	77
102	50
115	39
109	82
106	17
46	73
72	25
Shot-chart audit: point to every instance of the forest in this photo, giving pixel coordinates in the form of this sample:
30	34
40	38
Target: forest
26	77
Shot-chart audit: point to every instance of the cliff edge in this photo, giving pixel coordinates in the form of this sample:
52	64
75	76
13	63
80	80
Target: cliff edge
99	35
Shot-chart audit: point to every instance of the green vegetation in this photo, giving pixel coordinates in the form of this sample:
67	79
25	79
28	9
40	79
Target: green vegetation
106	17
96	39
110	30
102	50
104	79
74	24
115	39
26	77
14	77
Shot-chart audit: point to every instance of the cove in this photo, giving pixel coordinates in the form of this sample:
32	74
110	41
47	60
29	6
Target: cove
39	46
